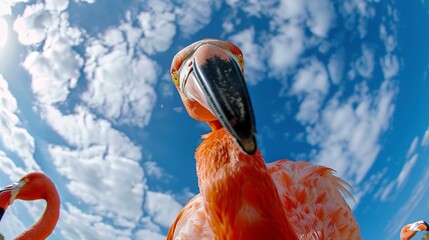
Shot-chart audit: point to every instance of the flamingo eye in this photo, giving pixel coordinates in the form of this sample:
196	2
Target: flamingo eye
175	78
23	180
241	61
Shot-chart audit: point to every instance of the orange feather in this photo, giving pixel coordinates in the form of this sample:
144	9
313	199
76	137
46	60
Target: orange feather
244	198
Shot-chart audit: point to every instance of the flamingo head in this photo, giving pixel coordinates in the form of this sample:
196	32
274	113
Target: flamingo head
409	230
209	77
30	187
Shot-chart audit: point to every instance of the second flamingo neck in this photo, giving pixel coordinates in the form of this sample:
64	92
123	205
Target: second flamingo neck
46	224
241	200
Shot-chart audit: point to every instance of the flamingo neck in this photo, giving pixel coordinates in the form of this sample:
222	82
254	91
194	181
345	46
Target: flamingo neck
215	125
241	199
46	224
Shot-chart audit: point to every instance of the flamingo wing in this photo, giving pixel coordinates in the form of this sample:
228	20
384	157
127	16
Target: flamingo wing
314	200
191	222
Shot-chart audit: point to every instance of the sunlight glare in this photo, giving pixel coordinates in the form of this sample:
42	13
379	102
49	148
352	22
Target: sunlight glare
3	32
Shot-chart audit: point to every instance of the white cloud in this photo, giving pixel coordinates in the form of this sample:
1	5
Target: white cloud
425	141
56	69
57	5
285	48
357	14
390	65
107	162
310	79
389	40
121	82
101	175
132	34
32	26
193	16
289	21
368	185
309	109
321	17
120	88
82	130
149	230
406	170
184	196
365	64
113	37
13	136
158	26
253	7
147	234
290	9
152	169
76	224
9	168
386	191
413	147
310	84
252	53
336	66
228	26
11	226
166	89
86	1
288	39
54	72
162	207
348	133
6	6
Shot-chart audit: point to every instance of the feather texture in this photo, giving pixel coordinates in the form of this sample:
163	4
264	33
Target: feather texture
244	198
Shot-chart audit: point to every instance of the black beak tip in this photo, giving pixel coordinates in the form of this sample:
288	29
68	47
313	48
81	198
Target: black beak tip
1	212
248	145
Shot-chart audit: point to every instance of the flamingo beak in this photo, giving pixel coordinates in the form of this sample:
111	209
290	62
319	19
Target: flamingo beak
5	196
419	226
214	79
8	195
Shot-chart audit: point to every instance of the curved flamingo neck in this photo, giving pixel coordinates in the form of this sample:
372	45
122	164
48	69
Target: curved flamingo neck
215	125
240	197
46	224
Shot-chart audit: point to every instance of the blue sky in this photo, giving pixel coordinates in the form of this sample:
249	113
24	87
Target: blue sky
86	97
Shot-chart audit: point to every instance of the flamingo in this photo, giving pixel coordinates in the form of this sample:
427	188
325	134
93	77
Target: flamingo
409	230
33	186
241	196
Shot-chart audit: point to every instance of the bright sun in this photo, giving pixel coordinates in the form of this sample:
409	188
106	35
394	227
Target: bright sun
3	32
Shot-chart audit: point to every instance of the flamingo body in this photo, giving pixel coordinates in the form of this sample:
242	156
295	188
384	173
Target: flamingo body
242	197
303	199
